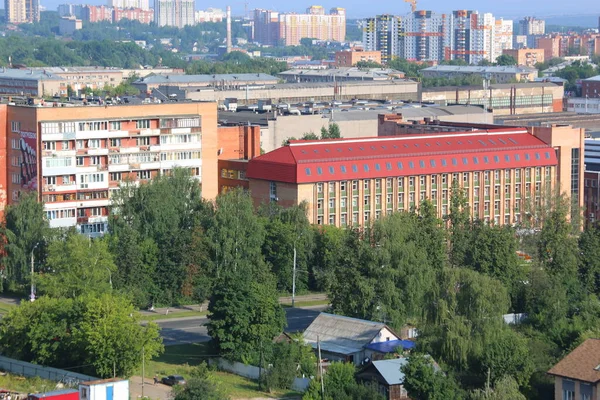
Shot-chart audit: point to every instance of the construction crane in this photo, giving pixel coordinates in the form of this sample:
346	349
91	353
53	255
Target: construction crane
413	4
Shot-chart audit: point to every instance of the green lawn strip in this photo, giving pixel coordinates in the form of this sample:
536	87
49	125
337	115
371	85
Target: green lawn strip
176	314
307	303
6	307
21	384
181	360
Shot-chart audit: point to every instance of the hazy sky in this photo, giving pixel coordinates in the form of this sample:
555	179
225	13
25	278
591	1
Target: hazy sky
364	8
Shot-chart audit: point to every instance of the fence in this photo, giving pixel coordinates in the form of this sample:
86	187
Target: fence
53	374
252	372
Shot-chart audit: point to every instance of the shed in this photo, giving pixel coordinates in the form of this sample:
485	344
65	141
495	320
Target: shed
105	389
387	377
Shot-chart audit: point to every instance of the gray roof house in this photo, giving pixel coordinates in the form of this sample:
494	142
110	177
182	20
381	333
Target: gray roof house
386	375
344	338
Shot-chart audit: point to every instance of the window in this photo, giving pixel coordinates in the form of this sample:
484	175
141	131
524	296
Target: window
378	200
465	177
476	192
344	219
400	201
143	174
355	201
506	206
411	197
366	184
354	185
486	206
65	145
422	195
422	180
496	190
343	186
497	175
433	179
434	195
388	183
355	218
332	187
94	143
400	182
15	126
343	202
367	200
79	161
377	184
411	181
506	189
527	172
444	179
116	176
142	124
66	179
486	191
367	216
320	187
95	160
507	174
273	191
142	141
518	173
49	145
115	125
486	175
320	220
568	387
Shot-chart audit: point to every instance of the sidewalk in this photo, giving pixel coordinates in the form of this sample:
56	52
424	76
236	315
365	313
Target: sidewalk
152	391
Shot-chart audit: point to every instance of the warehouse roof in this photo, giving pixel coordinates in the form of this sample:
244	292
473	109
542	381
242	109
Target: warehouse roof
345	72
207	78
471	69
305	161
28	74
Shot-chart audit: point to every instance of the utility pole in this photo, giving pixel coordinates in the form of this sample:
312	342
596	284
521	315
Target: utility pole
143	369
32	294
321	368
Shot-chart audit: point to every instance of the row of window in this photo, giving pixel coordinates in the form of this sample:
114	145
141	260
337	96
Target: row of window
434	179
233	174
431	163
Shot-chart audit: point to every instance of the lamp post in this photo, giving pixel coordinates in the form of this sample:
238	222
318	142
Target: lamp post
294	273
32	294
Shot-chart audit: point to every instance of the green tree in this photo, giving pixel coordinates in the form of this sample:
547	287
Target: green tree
332	132
505	59
289	360
424	381
505	388
330	245
460	221
309	136
507	354
76	266
24	231
245	316
589	262
200	388
113	336
340	384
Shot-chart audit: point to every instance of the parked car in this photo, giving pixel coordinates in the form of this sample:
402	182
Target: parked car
172	380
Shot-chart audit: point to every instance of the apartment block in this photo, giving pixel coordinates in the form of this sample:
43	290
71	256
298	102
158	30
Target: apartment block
266	27
526	57
141	4
68	25
423	36
314	24
76	158
133	14
351	182
22	11
503	37
237	145
210	15
532	28
177	13
97	14
382	33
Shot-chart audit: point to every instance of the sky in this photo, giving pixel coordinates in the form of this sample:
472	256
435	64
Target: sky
508	9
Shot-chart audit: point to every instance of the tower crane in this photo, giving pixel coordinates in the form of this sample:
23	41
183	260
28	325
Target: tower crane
413	4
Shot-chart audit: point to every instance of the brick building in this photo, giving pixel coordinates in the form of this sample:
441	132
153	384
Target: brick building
97	14
350	58
526	57
75	158
133	14
349	182
590	87
237	145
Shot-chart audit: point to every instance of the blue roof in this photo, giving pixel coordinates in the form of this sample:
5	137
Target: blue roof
390	370
391	345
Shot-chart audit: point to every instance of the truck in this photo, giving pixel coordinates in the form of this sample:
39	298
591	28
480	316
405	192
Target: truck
66	394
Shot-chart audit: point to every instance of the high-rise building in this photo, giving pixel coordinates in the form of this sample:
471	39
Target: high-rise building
503	37
22	11
178	13
422	36
266	27
532	28
272	28
97	14
314	24
210	15
381	33
141	4
133	14
470	36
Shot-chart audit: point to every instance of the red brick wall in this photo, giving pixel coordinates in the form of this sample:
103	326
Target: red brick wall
238	142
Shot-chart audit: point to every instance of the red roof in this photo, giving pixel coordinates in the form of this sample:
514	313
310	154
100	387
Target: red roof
305	161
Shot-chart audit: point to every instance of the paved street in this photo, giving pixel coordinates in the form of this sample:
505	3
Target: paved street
193	329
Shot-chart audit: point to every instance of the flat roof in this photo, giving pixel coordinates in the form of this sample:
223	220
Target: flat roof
28	74
206	78
308	161
480	70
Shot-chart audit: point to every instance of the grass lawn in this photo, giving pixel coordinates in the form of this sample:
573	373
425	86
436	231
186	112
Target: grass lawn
6	307
26	385
307	303
174	314
181	359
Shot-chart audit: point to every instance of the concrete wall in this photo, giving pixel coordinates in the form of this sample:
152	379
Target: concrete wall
53	374
252	372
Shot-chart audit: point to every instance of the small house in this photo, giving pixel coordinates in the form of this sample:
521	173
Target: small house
577	375
346	339
386	376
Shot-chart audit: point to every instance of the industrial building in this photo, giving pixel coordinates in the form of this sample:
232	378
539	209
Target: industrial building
218	81
350	58
76	157
351	182
503	99
504	74
342	74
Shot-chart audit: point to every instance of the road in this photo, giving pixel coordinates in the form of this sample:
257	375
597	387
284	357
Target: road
193	329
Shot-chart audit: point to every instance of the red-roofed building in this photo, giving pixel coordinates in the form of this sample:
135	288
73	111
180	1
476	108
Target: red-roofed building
350	181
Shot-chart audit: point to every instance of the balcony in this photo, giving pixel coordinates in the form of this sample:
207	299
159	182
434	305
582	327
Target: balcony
98	151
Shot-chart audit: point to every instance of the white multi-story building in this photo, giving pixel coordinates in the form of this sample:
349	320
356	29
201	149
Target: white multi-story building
503	37
470	36
210	15
141	4
381	33
178	13
422	36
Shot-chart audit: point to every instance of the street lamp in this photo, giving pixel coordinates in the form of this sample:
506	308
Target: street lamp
294	273
32	294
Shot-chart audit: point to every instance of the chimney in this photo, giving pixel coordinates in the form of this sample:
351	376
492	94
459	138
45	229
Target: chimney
228	29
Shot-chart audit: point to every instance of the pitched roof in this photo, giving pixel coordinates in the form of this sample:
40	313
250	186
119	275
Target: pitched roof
582	364
341	335
391	345
307	161
390	370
